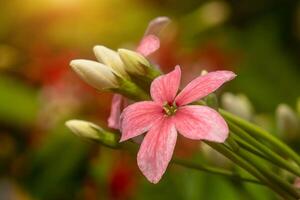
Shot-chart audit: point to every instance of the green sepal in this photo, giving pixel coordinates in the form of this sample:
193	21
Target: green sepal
130	90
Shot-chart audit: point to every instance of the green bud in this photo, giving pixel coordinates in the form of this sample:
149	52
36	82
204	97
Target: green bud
139	68
95	74
135	62
93	132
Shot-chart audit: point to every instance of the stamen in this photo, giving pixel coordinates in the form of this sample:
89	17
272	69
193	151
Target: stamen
170	109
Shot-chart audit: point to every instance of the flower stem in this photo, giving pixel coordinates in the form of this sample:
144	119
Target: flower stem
110	139
214	170
248	147
242	162
261	166
274	178
270	155
256	131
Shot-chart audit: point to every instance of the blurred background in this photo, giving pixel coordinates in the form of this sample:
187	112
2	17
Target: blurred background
41	159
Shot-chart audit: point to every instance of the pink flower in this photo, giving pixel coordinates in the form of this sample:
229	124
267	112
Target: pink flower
118	103
168	114
148	45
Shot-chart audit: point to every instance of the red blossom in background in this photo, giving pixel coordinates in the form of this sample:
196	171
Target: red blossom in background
122	180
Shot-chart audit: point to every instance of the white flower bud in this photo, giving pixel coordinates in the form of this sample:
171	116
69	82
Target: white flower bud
110	58
93	132
96	74
83	129
287	122
135	62
237	104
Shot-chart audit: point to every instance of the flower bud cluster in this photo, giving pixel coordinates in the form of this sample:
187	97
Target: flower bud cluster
112	67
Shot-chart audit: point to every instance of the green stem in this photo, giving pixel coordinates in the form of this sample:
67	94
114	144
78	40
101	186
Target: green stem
270	155
275	179
130	90
249	168
259	164
213	170
110	140
248	147
256	131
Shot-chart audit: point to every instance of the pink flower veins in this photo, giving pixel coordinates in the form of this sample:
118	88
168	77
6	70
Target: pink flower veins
168	114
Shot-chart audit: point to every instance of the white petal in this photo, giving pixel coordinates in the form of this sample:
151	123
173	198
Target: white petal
96	74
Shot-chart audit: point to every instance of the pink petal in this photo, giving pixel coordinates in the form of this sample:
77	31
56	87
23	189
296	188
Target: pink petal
157	149
202	86
115	112
164	88
201	123
138	118
148	45
156	25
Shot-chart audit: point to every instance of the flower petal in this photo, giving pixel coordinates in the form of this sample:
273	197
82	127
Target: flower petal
202	86
148	45
164	88
201	122
157	149
95	74
156	25
115	112
138	118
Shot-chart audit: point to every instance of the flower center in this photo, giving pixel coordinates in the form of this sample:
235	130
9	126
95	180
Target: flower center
170	109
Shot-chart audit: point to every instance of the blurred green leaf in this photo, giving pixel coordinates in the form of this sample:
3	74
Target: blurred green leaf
18	102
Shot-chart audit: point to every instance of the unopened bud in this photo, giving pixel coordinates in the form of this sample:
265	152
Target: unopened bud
84	129
237	104
96	74
91	131
135	63
287	122
111	59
